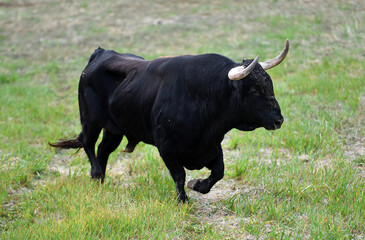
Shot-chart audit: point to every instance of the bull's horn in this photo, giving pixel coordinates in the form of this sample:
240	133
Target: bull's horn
240	72
276	61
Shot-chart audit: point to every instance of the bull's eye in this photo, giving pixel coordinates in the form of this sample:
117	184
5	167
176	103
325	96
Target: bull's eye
254	91
263	90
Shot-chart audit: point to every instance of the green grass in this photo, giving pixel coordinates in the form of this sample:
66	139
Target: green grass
90	210
304	181
302	199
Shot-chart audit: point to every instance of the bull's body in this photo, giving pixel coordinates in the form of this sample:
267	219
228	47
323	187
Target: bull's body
182	105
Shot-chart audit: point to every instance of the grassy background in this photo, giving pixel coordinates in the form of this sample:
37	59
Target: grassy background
305	180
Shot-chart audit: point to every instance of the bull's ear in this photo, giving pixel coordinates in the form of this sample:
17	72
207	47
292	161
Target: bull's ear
276	61
240	72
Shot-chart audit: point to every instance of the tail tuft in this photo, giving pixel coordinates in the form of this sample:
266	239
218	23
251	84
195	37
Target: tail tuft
66	144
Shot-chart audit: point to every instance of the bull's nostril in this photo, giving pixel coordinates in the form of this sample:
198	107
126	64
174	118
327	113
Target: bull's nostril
278	122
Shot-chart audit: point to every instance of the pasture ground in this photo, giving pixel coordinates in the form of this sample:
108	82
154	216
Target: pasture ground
304	181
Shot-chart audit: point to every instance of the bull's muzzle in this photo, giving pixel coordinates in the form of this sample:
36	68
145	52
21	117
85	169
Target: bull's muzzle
278	123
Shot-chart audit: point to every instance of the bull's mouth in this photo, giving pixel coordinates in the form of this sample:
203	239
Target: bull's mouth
250	127
246	127
271	127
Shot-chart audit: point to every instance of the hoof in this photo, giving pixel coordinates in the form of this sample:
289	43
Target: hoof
193	183
97	175
198	185
130	147
183	199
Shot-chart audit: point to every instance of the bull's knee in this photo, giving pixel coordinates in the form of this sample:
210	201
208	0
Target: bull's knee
219	175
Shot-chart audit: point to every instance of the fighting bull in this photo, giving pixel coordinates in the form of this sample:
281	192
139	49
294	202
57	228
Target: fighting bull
183	105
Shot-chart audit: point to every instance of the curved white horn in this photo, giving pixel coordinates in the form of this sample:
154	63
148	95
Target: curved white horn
240	72
276	61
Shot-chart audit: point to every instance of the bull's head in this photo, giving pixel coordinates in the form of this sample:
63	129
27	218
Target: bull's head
257	94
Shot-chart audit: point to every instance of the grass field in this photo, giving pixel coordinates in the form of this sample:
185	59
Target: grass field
304	181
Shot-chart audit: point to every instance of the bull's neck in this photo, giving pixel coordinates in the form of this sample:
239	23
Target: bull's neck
221	119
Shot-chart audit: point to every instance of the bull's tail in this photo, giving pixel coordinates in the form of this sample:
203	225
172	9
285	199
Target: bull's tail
67	144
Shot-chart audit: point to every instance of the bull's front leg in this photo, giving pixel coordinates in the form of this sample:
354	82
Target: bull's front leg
217	167
179	178
177	172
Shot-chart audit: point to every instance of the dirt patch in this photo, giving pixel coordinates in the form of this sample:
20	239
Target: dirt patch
211	210
16	5
354	135
61	165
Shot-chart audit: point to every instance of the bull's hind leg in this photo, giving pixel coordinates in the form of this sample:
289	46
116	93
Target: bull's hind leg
109	143
88	137
92	120
204	185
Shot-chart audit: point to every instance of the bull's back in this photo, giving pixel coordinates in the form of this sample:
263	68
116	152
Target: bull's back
165	90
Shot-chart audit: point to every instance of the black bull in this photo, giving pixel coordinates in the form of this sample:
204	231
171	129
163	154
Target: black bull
183	105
